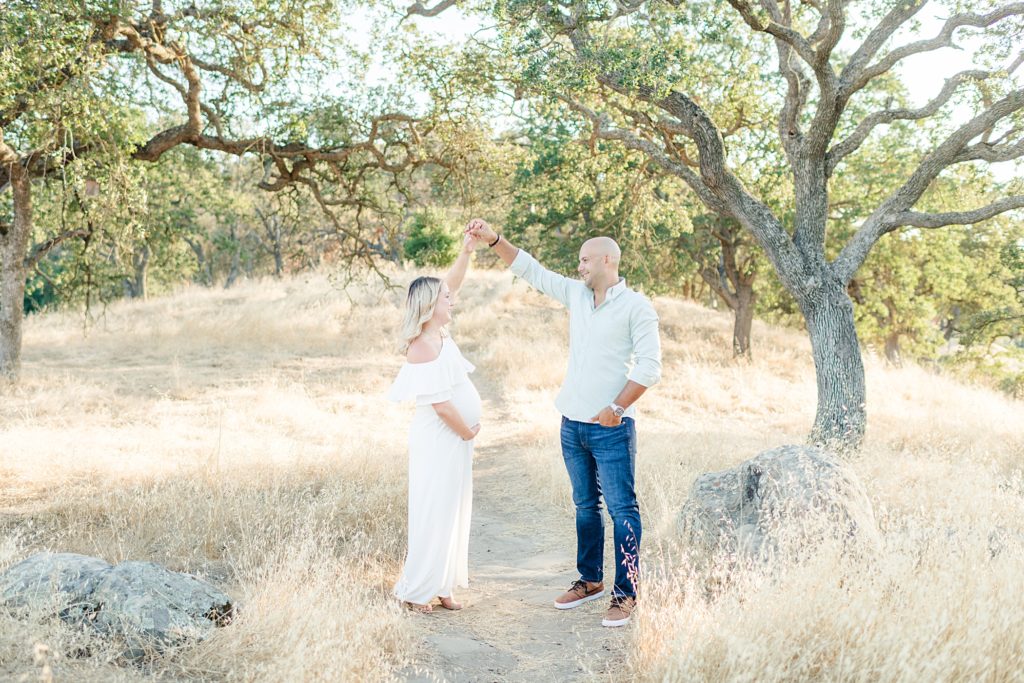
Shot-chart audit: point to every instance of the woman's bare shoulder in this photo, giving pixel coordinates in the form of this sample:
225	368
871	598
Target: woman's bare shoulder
422	351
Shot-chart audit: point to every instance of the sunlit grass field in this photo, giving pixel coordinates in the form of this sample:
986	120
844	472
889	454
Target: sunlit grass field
243	436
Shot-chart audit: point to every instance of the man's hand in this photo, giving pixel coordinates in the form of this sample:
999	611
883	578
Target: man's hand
607	418
485	234
480	230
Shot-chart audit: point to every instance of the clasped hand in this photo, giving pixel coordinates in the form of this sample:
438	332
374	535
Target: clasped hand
480	231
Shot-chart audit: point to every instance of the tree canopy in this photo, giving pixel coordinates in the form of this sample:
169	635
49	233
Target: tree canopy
656	78
96	87
719	141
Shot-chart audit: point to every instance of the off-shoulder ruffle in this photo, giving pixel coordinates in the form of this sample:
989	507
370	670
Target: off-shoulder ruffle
432	378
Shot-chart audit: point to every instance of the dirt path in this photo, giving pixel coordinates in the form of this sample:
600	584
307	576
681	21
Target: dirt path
521	556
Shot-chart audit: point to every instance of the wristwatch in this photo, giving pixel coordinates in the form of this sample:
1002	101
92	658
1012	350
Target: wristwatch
617	409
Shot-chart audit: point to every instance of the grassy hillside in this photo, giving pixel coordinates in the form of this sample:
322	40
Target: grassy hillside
242	435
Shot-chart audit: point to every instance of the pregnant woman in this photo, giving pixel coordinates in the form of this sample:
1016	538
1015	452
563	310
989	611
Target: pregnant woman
447	420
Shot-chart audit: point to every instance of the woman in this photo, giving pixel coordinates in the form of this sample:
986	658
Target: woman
447	417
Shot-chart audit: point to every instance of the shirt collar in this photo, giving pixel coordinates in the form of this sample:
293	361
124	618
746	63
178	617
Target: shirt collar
616	289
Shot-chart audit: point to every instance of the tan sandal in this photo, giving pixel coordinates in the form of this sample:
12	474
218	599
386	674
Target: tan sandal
416	607
450	604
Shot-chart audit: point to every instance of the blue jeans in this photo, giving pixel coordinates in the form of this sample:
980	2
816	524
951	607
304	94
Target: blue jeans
602	461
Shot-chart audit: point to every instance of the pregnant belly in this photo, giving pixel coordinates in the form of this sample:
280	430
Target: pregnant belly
467	401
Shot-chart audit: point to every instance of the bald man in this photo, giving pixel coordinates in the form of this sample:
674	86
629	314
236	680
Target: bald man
614	357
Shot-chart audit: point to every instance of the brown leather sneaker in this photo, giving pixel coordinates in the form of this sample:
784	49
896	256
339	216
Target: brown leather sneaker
580	592
620	611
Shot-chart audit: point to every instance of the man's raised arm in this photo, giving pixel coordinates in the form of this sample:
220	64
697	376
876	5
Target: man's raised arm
522	264
483	232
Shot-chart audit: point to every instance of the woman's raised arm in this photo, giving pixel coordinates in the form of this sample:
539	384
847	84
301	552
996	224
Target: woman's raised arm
457	273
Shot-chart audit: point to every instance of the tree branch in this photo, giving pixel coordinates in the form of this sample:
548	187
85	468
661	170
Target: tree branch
40	250
37	165
949	150
183	91
889	24
724	189
7	154
857	79
602	129
853	142
884	218
773	28
713	279
941	220
830	30
992	153
421	10
798	86
235	75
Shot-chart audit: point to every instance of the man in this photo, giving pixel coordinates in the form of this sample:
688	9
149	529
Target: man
614	357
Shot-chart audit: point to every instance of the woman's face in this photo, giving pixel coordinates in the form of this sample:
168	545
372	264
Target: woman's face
444	307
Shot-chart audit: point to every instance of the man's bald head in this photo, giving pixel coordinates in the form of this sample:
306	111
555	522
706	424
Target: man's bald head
602	246
599	262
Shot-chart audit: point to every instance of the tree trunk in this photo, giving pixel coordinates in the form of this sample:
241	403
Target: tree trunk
205	270
250	265
236	263
234	272
841	416
742	321
277	241
738	295
13	246
273	226
137	285
892	349
278	259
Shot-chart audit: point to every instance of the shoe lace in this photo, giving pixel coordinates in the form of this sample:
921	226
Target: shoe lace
579	586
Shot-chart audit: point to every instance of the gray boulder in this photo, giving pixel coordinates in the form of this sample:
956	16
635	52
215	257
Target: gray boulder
164	607
58	581
141	603
779	504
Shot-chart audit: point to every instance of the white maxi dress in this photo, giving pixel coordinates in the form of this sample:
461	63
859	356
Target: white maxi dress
440	476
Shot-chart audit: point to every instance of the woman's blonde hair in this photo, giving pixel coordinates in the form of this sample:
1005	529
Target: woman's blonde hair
419	308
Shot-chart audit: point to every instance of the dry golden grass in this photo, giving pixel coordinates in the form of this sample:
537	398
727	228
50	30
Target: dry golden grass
236	435
243	436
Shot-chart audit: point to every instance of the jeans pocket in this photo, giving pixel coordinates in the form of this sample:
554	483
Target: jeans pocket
602	436
622	423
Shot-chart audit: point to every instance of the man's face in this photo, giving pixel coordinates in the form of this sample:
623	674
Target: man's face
592	265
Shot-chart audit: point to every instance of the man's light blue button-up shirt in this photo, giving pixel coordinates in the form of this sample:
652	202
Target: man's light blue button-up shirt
608	345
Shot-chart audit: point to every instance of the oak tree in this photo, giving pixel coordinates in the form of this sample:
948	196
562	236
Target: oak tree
625	65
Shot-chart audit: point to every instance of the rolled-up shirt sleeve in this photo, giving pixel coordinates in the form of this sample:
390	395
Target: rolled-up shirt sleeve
556	286
643	329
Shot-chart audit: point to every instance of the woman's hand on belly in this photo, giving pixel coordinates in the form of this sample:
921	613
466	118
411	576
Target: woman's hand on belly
450	415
